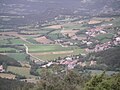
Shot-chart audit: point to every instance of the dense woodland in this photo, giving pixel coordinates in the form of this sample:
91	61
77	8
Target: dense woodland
6	84
110	58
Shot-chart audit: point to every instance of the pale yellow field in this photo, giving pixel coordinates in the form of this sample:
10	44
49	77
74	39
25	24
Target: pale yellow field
9	76
43	40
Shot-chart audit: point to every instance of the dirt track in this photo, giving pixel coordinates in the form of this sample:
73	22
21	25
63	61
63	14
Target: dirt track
43	40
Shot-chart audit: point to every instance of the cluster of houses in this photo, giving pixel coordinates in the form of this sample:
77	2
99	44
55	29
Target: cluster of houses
2	69
95	31
91	33
70	63
64	43
105	46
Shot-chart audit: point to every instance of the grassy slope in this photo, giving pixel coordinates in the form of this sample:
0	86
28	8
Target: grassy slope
18	56
20	70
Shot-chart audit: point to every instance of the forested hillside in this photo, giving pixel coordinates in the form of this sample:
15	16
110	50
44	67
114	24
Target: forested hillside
6	84
4	59
110	57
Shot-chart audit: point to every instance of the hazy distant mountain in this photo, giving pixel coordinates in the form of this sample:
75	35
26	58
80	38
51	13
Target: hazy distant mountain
47	9
39	6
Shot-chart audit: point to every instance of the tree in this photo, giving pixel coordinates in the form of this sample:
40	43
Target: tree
4	66
60	81
102	82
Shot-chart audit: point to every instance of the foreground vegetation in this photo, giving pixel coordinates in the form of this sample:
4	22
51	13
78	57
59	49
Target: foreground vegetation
8	84
66	81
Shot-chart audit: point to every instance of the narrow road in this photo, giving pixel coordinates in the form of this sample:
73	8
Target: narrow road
27	52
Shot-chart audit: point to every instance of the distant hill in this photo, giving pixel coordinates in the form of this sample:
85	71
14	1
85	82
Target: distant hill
40	11
52	8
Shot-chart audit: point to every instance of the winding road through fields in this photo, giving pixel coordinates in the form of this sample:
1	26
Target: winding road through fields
27	52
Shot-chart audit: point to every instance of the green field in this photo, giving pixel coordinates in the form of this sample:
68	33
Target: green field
105	40
41	32
56	32
55	36
18	41
10	40
3	42
18	56
75	26
51	52
7	49
49	48
104	36
20	70
32	40
51	56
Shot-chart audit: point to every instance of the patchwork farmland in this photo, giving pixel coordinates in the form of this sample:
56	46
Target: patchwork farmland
53	41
